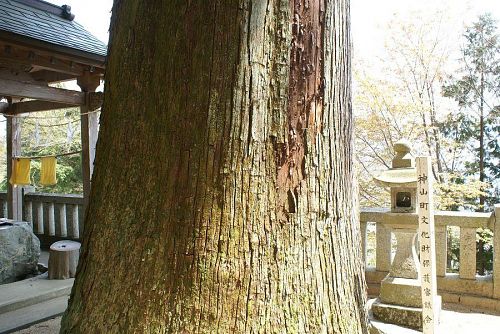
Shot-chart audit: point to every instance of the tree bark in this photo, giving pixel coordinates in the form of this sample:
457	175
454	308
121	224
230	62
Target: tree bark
222	197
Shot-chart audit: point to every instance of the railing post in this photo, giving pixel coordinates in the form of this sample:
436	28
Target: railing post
441	251
52	219
88	82
28	212
496	252
467	253
75	223
62	220
363	242
39	218
383	250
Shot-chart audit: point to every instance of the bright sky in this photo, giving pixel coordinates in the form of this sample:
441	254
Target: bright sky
94	15
370	18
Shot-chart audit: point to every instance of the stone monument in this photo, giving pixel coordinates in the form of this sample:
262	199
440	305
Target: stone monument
400	300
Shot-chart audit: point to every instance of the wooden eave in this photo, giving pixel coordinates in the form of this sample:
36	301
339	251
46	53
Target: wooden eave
34	56
83	57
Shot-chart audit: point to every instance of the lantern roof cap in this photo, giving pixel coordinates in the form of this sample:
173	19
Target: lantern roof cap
403	171
397	177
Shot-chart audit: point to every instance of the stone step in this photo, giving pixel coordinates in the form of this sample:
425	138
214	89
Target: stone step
21	294
27	316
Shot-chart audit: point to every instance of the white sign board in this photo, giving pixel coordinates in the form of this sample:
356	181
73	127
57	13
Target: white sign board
425	210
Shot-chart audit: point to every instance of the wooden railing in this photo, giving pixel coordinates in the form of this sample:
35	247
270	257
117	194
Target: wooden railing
55	216
463	287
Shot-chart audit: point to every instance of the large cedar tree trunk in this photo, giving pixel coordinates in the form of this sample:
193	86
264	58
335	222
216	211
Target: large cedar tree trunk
222	196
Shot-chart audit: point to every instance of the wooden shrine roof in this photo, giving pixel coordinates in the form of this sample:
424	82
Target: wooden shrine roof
44	25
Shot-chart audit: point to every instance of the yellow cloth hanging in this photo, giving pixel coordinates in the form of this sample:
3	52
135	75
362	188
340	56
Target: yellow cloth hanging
20	171
48	171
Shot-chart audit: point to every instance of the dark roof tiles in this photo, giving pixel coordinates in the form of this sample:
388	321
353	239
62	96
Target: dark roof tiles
18	17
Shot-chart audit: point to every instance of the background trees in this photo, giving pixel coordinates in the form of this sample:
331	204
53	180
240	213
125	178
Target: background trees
475	126
412	96
445	99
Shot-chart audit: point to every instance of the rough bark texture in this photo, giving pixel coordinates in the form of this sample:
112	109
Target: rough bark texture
222	196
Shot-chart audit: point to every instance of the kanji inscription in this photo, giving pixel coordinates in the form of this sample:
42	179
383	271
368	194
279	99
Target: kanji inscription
427	248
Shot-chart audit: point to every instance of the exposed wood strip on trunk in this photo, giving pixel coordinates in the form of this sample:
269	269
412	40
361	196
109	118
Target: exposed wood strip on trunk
305	101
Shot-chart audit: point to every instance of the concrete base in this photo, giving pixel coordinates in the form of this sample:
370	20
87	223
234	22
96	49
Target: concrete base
399	315
410	317
30	301
401	291
24	317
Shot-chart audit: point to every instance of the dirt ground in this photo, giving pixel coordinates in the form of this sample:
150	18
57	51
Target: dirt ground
51	326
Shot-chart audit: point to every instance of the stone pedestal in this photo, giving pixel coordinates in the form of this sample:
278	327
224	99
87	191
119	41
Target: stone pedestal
402	315
405	263
402	286
399	315
400	299
401	291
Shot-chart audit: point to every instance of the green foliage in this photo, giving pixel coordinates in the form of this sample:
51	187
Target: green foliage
68	172
475	127
453	245
458	192
52	133
484	251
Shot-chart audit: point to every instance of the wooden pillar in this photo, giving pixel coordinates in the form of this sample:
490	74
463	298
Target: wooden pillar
88	82
86	148
14	193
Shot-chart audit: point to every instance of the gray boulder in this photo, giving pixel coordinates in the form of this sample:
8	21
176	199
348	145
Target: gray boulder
19	251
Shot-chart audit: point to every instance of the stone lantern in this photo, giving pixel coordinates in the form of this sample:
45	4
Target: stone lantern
400	300
401	179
